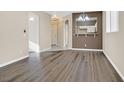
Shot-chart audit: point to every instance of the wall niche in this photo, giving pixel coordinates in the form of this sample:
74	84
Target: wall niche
87	33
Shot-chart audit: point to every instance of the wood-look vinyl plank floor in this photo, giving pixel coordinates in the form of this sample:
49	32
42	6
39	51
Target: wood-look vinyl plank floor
61	66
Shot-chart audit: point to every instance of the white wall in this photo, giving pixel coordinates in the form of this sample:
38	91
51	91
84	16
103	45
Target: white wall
13	42
69	17
54	34
113	43
45	30
60	33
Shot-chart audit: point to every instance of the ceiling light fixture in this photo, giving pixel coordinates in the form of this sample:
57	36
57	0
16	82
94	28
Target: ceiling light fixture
54	17
83	17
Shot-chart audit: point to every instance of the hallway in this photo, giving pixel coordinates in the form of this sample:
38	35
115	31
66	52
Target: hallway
61	66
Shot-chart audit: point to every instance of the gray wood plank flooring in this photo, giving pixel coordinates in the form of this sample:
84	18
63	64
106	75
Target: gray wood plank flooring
61	66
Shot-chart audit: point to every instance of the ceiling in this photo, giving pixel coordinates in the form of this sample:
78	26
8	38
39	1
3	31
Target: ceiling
62	13
59	13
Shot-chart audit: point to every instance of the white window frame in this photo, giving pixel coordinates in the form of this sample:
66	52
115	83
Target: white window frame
112	21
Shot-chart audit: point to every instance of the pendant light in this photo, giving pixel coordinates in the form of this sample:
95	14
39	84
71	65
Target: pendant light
83	17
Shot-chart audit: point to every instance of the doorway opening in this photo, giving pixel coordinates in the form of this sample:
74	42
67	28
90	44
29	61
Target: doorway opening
33	38
66	34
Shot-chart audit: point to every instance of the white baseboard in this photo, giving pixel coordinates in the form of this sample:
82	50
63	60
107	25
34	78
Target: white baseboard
13	61
115	67
86	49
72	49
43	50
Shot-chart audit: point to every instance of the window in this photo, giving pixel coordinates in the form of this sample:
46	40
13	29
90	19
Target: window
112	21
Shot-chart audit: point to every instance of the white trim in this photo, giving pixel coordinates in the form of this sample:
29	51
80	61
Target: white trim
71	49
13	61
120	74
86	49
59	49
43	50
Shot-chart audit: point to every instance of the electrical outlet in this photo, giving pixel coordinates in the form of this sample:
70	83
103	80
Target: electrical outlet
85	45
